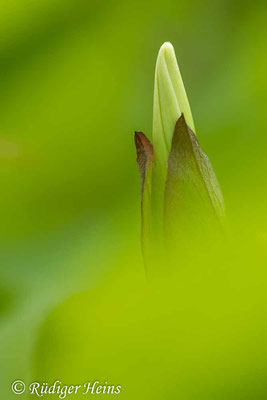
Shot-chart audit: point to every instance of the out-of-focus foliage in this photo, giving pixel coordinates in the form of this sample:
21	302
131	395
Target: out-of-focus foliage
199	335
76	80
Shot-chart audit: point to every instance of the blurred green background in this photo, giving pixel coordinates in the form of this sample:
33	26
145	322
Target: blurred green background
76	80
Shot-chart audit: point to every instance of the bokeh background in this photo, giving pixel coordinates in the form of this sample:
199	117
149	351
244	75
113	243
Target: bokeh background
76	80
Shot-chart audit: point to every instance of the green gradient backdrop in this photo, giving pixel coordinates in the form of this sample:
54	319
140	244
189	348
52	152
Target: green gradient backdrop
76	80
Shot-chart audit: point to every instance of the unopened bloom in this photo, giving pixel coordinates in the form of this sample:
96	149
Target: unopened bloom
181	198
170	101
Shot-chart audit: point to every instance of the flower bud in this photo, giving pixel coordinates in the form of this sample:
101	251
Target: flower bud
170	101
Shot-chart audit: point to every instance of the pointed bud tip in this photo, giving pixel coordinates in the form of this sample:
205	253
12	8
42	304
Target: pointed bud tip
166	46
166	51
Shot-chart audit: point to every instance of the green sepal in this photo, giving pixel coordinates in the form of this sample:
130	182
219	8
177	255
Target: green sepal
193	204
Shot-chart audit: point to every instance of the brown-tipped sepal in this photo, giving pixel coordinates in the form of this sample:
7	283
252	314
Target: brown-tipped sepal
145	156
